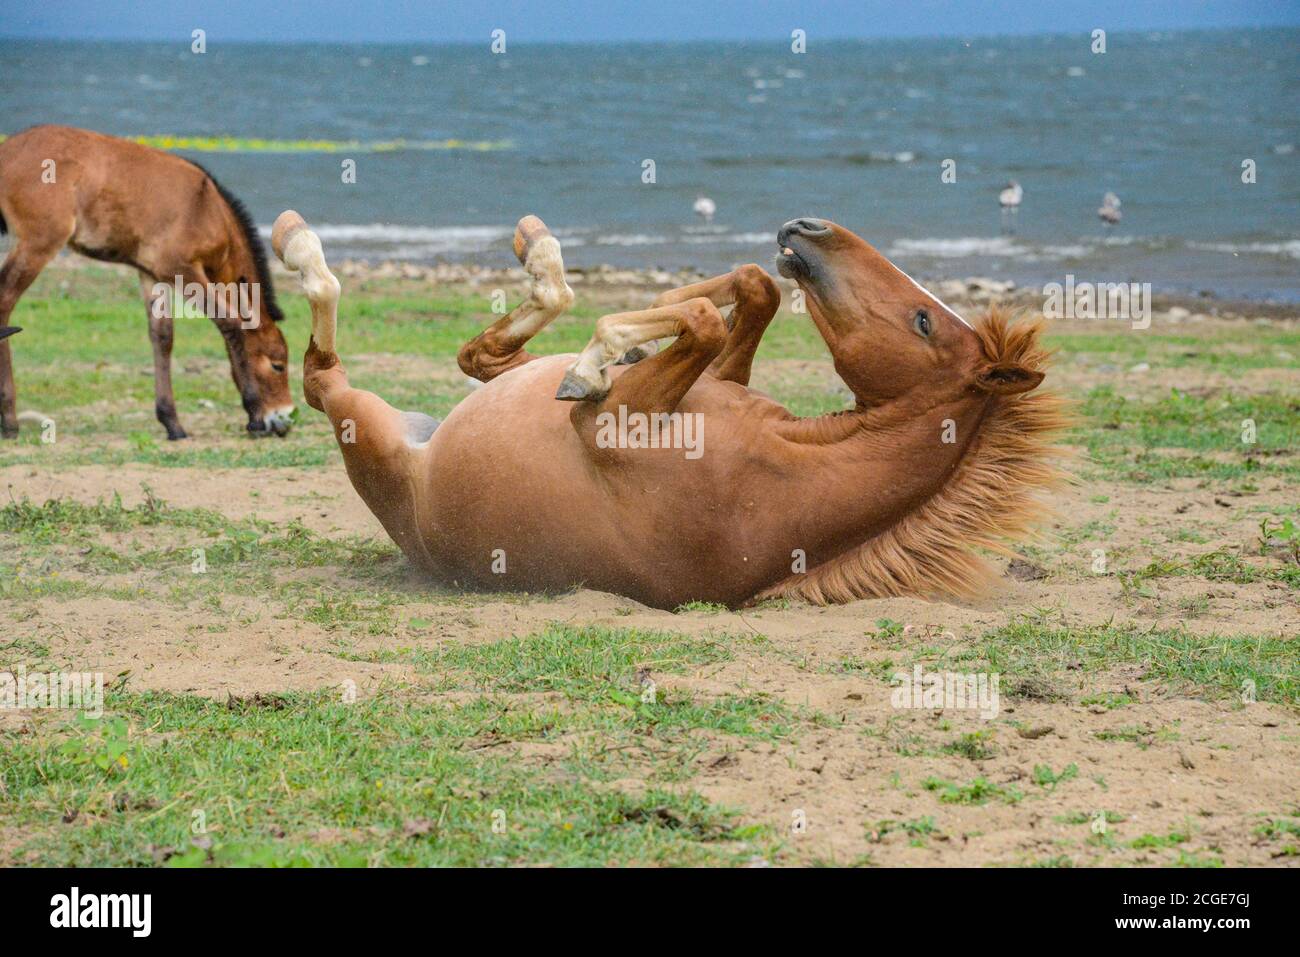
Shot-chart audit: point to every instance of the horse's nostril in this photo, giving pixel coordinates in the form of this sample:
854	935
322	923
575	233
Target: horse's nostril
811	228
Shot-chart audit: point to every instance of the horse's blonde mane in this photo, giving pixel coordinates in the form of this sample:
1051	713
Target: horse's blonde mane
994	496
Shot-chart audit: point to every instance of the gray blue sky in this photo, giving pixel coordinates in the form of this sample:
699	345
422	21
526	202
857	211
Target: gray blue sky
588	21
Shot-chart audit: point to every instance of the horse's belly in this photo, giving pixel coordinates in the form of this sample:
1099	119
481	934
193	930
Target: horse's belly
515	499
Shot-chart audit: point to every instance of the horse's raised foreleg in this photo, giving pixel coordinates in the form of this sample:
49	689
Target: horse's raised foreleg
756	298
376	440
500	347
21	267
655	384
158	308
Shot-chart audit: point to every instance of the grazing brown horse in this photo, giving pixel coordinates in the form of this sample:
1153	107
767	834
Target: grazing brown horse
121	202
669	480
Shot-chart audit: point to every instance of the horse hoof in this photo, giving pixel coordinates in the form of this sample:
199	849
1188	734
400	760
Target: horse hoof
529	230
573	389
177	435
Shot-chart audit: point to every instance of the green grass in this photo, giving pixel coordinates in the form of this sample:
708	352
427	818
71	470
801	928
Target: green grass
979	791
567	744
400	778
1182	435
307	779
1031	655
84	343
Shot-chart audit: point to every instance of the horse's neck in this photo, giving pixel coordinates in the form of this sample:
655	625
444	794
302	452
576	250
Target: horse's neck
237	261
864	471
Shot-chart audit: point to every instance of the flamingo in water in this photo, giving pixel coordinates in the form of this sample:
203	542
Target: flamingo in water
1010	198
705	208
1109	210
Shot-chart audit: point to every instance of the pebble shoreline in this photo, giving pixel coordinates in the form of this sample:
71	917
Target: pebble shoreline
973	290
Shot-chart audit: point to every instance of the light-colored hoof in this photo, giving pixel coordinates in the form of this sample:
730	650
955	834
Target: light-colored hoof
286	224
575	389
529	230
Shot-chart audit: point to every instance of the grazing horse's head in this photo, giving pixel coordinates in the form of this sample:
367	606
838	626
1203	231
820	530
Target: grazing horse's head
265	390
889	337
259	358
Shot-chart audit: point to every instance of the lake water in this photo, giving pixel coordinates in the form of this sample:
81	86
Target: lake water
853	131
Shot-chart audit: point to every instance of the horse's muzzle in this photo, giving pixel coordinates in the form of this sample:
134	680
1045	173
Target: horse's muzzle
797	238
277	422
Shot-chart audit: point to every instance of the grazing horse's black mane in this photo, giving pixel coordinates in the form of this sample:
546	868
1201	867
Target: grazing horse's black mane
255	247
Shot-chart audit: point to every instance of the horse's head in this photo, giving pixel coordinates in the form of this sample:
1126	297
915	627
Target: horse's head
888	336
271	411
260	361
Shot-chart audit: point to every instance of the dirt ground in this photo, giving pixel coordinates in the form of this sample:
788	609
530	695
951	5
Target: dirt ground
1221	768
1168	761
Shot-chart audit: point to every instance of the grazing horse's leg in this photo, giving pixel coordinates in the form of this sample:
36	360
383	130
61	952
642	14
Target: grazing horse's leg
158	308
658	383
24	263
756	297
500	347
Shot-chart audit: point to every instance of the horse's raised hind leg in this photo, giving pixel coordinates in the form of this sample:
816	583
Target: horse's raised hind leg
158	308
376	440
756	298
500	347
21	267
658	383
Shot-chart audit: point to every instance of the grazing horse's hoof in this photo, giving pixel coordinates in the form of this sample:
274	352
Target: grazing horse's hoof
176	435
574	389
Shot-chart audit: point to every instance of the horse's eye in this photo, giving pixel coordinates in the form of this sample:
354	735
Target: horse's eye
922	323
277	366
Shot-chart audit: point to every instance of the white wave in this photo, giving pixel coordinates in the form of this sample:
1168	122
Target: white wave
743	239
959	248
411	241
1289	249
631	239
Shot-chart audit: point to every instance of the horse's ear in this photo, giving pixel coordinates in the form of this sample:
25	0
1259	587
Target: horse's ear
1007	378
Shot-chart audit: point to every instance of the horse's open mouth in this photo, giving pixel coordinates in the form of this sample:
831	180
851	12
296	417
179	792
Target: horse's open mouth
790	264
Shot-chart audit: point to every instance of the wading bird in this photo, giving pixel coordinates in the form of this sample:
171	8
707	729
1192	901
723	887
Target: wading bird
1109	210
1010	198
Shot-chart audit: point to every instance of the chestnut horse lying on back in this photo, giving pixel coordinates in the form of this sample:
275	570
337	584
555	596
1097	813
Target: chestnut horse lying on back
120	202
946	449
